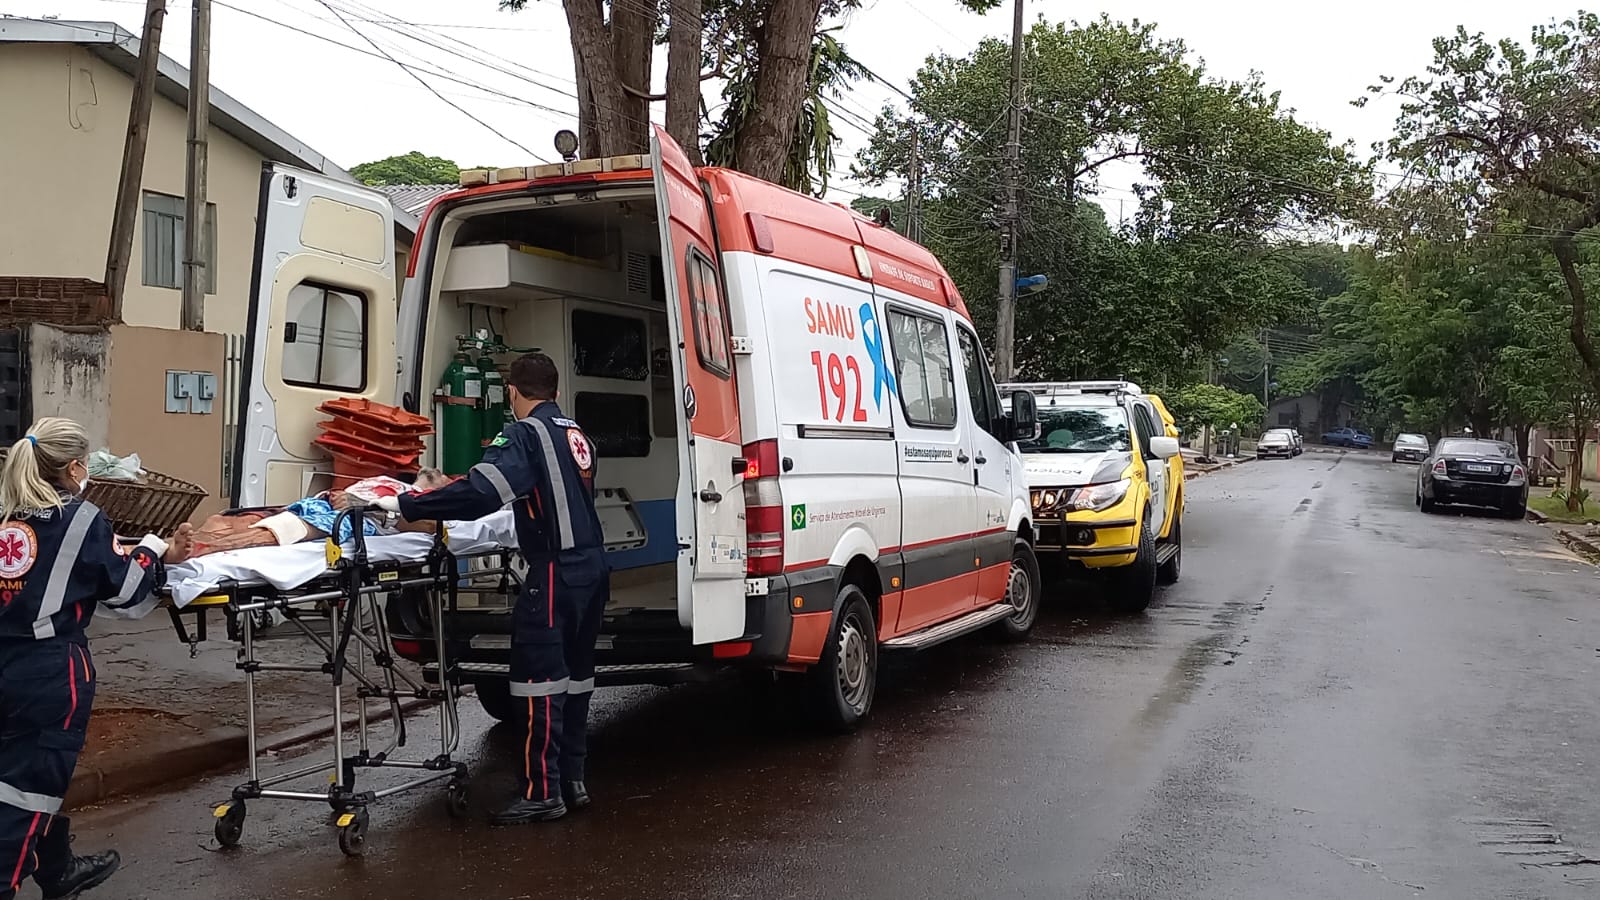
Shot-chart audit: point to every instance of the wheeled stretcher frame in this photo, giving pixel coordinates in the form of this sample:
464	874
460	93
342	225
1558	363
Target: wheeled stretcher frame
347	597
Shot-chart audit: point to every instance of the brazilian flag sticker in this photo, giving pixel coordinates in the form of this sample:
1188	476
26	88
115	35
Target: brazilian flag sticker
797	517
499	441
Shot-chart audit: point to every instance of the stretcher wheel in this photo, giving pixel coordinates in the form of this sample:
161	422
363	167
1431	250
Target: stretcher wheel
455	799
353	833
230	823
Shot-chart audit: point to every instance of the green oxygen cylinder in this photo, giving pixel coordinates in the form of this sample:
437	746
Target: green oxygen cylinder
495	403
459	433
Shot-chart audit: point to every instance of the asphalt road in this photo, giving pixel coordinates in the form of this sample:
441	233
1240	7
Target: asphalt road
1342	698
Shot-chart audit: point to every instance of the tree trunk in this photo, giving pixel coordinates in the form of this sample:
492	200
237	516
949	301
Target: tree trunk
684	53
593	45
588	114
633	40
1566	253
1524	440
783	44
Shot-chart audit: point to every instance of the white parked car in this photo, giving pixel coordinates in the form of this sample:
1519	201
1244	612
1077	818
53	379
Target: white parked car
1410	447
1277	442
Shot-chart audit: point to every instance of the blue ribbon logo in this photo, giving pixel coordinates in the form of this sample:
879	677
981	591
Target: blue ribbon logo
882	375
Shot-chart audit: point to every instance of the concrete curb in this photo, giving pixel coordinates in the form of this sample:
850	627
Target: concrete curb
1537	517
1192	474
161	764
1581	544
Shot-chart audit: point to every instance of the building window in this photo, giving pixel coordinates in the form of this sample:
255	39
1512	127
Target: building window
325	338
163	242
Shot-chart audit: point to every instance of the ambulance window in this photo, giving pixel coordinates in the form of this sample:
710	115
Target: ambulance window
325	338
710	314
618	424
922	367
606	346
979	388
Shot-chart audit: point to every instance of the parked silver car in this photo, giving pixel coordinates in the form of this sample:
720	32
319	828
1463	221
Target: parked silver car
1410	447
1276	442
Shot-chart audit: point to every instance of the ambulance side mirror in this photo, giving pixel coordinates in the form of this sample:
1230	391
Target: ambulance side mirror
1024	417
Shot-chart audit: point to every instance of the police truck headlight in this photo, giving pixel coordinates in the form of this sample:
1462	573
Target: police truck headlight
1099	497
1048	501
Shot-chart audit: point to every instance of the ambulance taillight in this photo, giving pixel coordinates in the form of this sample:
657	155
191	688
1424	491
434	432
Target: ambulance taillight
764	519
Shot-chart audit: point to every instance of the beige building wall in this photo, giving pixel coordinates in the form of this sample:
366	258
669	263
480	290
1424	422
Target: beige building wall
60	154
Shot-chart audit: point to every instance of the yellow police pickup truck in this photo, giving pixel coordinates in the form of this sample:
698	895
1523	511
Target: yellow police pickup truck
1106	483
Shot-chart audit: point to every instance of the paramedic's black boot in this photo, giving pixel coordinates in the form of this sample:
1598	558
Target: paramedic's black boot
522	812
80	874
577	796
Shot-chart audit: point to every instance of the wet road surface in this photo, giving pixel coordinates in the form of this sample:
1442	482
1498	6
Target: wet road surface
1342	698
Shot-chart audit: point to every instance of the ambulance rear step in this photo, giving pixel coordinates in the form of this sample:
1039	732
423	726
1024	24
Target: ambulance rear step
944	631
604	676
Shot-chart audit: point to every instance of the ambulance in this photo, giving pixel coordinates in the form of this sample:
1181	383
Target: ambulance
803	460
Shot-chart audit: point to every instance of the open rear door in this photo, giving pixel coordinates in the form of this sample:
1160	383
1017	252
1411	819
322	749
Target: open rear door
711	513
322	325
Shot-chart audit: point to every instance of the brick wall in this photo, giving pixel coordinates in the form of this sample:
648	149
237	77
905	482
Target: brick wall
53	301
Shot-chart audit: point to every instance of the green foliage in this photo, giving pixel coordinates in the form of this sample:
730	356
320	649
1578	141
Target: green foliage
1198	257
408	168
1574	498
810	161
1199	405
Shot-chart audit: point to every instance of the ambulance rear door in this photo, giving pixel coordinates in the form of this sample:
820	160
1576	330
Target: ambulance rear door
321	325
711	508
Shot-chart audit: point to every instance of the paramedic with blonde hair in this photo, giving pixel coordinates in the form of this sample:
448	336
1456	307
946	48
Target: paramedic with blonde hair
59	559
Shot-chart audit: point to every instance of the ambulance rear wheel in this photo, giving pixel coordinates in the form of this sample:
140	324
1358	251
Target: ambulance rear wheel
842	684
496	700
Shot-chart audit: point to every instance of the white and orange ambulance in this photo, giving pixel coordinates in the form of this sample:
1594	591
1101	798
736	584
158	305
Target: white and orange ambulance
803	459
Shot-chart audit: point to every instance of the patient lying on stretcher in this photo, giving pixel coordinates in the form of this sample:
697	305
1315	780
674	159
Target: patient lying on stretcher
313	518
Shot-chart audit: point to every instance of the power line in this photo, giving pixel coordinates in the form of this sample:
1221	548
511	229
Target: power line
454	105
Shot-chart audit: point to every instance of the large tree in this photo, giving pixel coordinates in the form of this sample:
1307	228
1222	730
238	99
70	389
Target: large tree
1228	177
772	59
1501	129
407	168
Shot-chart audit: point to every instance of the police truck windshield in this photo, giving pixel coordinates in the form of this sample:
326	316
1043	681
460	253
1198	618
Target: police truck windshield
1080	429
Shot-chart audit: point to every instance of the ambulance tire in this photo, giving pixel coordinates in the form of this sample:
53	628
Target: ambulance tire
495	698
1025	585
1133	586
842	684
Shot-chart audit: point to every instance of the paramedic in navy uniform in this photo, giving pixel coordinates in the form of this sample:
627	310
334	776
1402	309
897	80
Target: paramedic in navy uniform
543	464
58	559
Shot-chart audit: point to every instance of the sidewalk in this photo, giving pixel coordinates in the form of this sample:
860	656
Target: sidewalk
160	716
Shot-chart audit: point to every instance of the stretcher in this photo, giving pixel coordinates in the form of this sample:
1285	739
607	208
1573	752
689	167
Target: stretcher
332	595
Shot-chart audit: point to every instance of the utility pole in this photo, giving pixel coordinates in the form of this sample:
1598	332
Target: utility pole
127	203
195	263
1006	304
1266	367
914	188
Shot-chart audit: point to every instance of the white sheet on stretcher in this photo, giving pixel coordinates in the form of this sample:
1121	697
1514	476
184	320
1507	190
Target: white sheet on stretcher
289	567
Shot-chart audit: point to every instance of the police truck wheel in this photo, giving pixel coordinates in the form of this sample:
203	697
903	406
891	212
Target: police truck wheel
230	824
1134	585
353	836
1169	571
495	698
843	682
1023	592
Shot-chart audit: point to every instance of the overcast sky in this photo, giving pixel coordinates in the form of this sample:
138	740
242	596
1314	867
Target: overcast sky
354	105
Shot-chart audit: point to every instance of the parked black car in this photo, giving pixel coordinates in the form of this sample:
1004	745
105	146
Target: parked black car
1474	472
